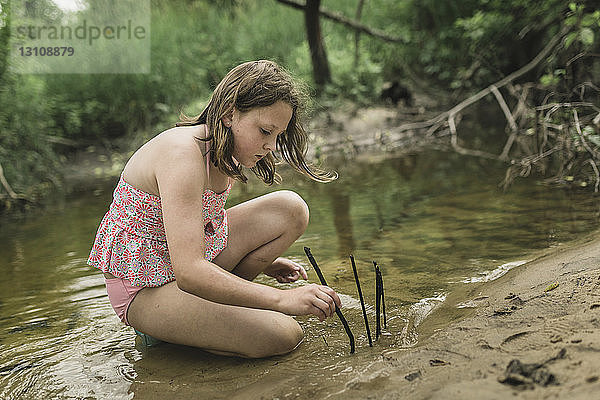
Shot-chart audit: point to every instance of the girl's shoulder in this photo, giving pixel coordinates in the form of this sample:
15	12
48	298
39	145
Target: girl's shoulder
175	148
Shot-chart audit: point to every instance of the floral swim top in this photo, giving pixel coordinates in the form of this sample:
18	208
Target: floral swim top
131	242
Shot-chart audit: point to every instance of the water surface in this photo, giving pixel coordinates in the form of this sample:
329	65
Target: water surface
431	221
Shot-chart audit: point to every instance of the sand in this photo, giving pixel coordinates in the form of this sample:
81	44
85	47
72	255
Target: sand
545	313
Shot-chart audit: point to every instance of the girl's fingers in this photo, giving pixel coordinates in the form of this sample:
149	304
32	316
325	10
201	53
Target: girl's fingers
319	313
293	276
303	272
324	300
331	293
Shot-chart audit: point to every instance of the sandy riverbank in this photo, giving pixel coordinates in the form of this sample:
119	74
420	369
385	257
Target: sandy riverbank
521	316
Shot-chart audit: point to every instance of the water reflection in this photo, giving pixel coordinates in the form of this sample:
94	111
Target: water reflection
430	221
342	221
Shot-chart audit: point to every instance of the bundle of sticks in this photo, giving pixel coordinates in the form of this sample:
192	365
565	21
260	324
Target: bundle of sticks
379	300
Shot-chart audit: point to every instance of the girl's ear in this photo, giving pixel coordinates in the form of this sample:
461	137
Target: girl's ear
227	119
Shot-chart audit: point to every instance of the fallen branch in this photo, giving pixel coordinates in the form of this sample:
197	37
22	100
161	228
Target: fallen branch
339	18
450	114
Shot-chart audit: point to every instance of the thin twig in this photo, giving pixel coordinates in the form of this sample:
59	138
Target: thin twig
461	150
556	106
504	107
4	182
362	301
337	310
511	122
382	293
580	133
595	167
377	305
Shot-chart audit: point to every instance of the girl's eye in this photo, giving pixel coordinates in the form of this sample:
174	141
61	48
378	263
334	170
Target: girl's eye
265	132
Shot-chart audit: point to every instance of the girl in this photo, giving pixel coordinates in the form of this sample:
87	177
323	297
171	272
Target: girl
178	266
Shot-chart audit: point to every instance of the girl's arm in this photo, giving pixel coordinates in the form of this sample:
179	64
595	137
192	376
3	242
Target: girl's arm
181	178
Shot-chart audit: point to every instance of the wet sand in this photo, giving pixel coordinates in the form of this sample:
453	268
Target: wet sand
553	330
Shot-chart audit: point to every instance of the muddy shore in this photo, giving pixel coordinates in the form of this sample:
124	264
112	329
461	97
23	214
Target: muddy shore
544	314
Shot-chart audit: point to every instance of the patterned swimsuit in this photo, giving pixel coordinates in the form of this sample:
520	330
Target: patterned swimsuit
131	242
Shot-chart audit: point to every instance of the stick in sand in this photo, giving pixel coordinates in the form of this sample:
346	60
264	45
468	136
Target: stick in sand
362	302
377	304
337	310
382	294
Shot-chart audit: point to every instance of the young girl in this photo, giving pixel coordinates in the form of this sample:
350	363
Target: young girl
178	266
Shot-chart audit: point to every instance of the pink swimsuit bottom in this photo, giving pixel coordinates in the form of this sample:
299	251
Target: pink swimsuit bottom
120	294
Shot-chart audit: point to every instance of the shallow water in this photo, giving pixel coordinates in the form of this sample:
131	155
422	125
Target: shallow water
432	222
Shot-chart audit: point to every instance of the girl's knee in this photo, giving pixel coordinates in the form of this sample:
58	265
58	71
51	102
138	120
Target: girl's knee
287	338
281	338
295	209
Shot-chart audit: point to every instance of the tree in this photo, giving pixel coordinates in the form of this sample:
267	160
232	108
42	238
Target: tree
312	13
318	55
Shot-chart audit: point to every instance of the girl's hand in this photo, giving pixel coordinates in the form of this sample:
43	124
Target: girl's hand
310	299
285	270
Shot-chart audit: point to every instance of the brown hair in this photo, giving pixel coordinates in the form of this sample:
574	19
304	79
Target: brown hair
247	86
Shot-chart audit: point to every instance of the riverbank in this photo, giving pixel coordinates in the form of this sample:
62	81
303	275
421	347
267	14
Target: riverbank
545	314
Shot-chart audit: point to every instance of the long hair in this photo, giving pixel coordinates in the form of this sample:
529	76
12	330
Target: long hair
247	86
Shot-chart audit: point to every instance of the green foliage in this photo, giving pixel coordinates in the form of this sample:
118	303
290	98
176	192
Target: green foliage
567	69
583	23
460	46
29	164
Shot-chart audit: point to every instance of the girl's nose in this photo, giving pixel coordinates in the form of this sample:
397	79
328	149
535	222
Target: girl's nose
270	144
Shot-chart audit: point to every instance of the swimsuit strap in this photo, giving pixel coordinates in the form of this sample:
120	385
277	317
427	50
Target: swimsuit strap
207	153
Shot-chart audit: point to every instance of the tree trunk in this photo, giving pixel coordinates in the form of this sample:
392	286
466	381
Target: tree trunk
321	72
359	8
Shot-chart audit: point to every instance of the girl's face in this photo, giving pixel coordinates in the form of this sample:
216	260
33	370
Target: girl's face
255	132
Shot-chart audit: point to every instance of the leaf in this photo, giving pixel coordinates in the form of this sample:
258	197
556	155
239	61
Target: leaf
551	287
586	35
570	39
570	20
549	80
594	139
589	20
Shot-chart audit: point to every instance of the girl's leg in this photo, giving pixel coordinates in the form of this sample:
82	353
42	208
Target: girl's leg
172	315
260	230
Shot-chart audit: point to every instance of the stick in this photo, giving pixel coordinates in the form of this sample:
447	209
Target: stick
313	262
7	187
362	302
382	296
377	304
